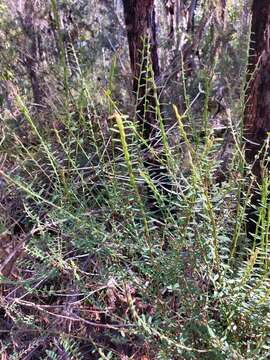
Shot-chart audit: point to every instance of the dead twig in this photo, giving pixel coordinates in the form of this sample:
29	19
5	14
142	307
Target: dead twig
74	318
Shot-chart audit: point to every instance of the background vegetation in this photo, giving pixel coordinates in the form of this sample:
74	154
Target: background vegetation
90	267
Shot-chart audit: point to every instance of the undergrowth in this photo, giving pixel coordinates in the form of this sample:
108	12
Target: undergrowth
94	273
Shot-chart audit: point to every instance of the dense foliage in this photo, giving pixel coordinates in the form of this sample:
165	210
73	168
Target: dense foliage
90	268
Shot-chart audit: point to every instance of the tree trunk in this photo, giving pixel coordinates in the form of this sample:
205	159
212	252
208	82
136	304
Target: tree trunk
257	117
170	10
141	32
32	48
257	114
32	64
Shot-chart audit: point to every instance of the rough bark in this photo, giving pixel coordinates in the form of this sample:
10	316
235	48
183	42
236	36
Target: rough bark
141	34
33	49
32	65
141	30
170	11
257	117
257	114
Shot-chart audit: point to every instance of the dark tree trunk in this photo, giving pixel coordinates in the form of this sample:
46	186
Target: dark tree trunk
140	24
33	50
141	34
257	115
32	64
170	10
141	31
